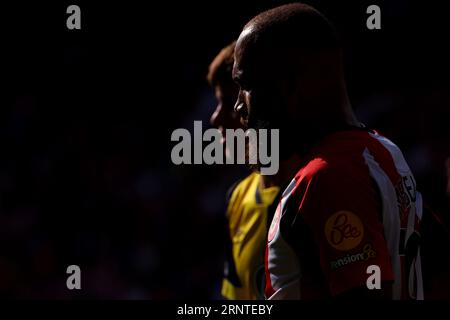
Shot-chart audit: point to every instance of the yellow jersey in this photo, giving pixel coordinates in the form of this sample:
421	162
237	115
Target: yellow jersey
247	214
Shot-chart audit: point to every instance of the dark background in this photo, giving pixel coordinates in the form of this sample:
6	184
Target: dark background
85	123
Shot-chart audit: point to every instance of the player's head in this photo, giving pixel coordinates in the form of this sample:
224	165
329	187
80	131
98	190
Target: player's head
226	90
289	71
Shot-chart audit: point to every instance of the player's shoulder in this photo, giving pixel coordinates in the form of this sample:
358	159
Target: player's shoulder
319	169
342	155
320	176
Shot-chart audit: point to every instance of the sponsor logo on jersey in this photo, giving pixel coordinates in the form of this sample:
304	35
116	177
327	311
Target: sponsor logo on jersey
344	230
367	253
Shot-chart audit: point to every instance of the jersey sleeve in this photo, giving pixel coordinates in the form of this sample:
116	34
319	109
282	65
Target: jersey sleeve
343	215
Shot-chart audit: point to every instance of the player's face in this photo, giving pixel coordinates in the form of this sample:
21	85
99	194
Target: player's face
242	104
224	117
269	96
259	102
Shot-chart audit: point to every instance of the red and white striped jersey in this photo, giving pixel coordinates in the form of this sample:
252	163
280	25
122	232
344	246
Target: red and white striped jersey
352	204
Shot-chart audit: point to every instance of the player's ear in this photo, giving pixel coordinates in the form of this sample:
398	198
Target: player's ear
290	81
289	87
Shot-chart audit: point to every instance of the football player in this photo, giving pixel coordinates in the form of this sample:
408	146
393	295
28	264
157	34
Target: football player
347	223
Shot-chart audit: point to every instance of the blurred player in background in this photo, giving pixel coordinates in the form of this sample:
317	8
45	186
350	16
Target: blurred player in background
249	200
353	202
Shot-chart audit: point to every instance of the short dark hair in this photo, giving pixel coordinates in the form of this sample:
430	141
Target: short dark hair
293	25
221	67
